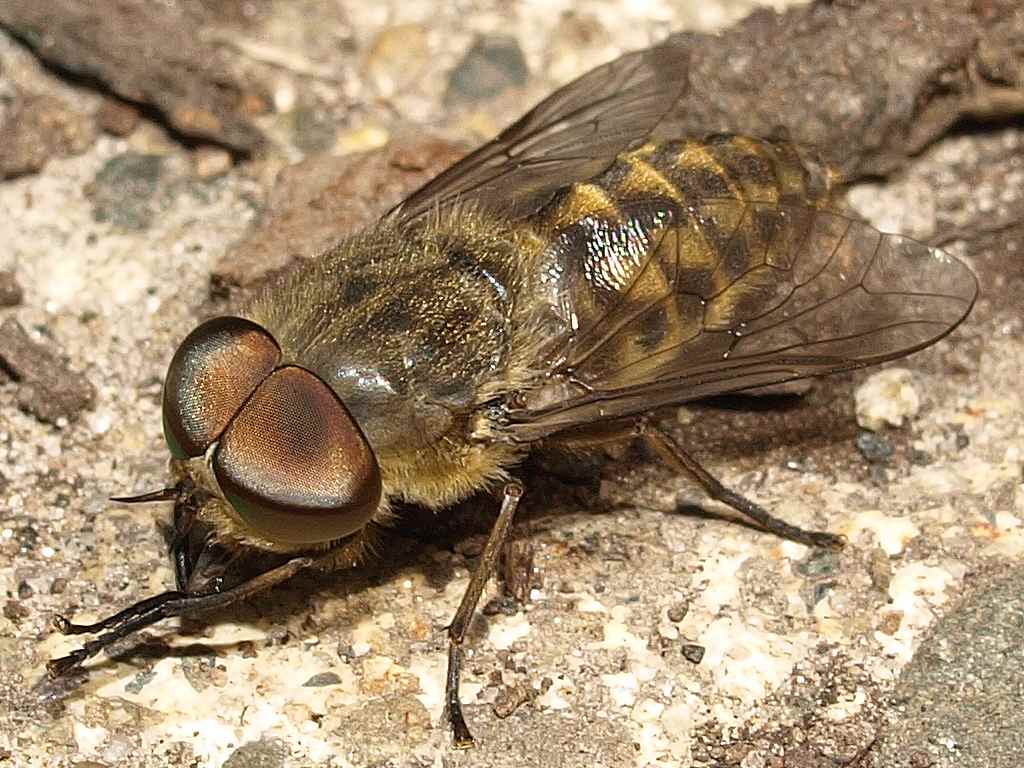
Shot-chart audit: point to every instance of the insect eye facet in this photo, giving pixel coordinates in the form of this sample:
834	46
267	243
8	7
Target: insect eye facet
215	369
295	465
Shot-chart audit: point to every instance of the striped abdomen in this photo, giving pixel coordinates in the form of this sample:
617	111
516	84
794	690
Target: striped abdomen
672	246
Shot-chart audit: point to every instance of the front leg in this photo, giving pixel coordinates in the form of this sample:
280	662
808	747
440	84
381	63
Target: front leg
512	493
148	612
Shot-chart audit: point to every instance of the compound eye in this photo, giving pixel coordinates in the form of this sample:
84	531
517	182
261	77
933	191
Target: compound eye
215	369
295	465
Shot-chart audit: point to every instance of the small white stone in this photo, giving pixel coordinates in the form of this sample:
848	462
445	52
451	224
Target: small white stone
284	96
622	688
886	399
847	706
648	711
1005	521
556	696
100	421
587	604
360	648
506	630
678	718
377	667
88	738
892	533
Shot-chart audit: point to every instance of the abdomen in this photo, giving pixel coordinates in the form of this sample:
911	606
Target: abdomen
647	256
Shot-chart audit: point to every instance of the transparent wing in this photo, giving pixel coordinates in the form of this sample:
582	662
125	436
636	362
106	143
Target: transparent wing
727	295
572	135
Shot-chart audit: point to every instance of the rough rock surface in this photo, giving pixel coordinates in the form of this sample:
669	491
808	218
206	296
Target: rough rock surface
657	631
158	54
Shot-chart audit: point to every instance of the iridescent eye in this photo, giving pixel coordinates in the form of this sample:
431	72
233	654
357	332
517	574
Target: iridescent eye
294	464
215	369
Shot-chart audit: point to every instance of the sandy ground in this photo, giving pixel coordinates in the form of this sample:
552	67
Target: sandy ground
809	658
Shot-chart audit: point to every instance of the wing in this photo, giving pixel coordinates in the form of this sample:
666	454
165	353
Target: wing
670	304
572	135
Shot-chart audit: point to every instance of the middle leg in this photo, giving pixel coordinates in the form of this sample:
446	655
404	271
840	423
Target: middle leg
513	492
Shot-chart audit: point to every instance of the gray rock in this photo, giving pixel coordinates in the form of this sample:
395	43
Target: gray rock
958	702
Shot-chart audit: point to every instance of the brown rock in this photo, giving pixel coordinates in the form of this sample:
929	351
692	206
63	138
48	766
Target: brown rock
10	290
836	77
149	53
211	162
38	127
117	117
318	200
48	389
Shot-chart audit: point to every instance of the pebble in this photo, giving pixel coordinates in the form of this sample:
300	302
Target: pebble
678	611
37	128
123	188
314	128
920	458
363	139
321	680
887	398
875	448
210	162
117	117
692	652
15	611
265	753
490	67
509	699
10	290
397	58
818	563
889	622
140	681
880	569
506	605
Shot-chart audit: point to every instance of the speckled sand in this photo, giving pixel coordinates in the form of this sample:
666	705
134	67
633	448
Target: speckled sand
784	631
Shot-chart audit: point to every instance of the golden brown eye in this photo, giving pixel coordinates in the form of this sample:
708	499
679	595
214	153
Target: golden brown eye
215	369
295	465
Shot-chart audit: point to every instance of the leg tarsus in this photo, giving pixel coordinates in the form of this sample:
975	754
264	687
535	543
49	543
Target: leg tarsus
131	613
461	736
513	492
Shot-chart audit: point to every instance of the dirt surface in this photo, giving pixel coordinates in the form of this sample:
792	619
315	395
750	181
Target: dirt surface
657	631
